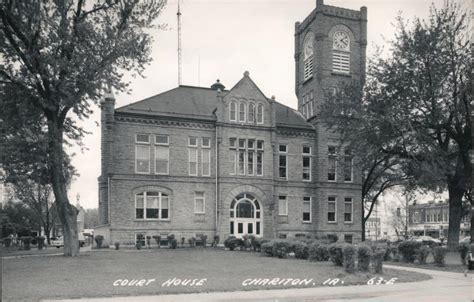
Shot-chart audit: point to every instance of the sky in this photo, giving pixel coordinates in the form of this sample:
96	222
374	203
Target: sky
221	39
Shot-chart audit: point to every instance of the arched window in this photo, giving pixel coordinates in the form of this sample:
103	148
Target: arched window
251	113
341	54
152	205
259	114
242	111
233	111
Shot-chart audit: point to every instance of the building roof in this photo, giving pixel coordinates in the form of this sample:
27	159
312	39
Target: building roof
200	103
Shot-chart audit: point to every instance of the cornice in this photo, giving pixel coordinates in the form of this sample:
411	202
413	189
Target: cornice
167	122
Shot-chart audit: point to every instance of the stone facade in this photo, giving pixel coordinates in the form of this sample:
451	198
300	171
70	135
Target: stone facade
249	141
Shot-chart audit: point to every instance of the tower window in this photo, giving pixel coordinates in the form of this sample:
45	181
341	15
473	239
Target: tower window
308	56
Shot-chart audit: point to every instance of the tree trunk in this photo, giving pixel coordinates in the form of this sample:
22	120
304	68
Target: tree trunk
363	220
67	213
455	213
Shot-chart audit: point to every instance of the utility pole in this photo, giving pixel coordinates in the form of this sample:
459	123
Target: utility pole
179	42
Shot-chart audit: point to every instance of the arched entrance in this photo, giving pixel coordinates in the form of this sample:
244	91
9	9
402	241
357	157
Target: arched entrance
245	216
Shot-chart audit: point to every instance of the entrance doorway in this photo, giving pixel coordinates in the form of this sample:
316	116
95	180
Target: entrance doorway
245	216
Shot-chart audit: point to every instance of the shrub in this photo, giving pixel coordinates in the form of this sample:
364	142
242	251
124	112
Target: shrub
204	240
394	253
463	250
377	260
231	243
256	244
318	252
148	243
216	241
26	242
170	237
281	248
422	254
349	252
7	241
336	254
40	241
157	239
267	248
408	250
364	253
173	243
183	240
246	242
439	253
98	240
192	241
117	245
301	250
138	244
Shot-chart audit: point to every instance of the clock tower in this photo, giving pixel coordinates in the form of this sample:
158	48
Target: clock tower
330	50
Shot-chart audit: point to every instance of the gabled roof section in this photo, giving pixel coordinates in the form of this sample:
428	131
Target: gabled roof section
183	101
246	87
288	117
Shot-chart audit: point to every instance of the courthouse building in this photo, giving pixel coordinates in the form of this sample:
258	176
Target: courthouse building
217	161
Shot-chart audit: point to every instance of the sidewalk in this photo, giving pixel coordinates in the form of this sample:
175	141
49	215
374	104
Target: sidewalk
445	286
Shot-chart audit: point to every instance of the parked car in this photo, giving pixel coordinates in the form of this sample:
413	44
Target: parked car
59	242
428	240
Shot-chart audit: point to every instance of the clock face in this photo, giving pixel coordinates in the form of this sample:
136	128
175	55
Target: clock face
308	46
341	41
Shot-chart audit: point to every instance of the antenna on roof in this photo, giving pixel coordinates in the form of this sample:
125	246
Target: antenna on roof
179	42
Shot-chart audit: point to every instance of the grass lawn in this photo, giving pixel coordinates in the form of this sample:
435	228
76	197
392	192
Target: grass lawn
93	273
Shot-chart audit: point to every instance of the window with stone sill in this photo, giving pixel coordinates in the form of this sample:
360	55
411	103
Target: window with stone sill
152	205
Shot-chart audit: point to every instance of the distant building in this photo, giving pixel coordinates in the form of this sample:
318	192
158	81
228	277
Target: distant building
432	219
373	229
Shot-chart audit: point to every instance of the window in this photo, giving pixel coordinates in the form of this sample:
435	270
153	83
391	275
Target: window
162	159
142	139
250	164
331	163
340	62
307	209
162	139
331	209
232	143
282	206
193	142
259	163
259	114
233	161
152	205
347	165
306	163
241	159
348	238
206	162
348	209
260	145
283	162
206	142
251	118
142	153
242	109
308	46
251	144
199	203
233	111
142	159
139	241
241	143
193	161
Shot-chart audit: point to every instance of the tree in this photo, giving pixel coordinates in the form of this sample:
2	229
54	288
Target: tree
59	56
345	113
91	218
417	102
